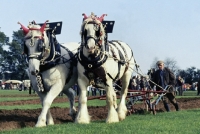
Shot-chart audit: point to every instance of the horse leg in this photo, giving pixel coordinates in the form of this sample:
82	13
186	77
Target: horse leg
114	99
111	102
46	103
82	115
71	96
40	122
49	118
122	109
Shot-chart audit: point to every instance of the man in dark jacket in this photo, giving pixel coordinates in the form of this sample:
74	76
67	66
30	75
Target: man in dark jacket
164	77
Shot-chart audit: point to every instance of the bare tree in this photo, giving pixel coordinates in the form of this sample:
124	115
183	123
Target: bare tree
169	63
172	65
153	65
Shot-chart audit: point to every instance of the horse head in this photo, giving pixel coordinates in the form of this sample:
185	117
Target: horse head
37	44
92	32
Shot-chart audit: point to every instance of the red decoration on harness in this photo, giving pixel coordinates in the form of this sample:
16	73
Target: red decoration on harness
43	27
101	18
25	30
85	16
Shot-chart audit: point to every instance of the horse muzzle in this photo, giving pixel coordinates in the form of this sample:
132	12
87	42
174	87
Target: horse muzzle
35	72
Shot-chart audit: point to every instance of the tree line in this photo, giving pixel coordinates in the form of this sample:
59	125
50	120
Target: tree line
13	63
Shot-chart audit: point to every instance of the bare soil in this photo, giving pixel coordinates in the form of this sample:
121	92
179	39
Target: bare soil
15	119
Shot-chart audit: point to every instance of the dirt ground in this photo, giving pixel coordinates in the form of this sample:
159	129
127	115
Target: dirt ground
15	119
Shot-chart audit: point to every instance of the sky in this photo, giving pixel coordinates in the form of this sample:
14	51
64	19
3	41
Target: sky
152	28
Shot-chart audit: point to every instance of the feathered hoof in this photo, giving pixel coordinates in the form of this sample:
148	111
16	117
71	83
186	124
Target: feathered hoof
40	125
122	116
122	113
113	120
50	122
82	121
82	118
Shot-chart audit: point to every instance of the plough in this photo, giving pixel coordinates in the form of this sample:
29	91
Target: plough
140	95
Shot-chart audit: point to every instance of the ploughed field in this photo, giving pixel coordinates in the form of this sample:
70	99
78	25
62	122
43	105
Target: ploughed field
17	118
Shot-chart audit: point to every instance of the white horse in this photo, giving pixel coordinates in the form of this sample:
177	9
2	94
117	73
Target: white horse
50	71
101	64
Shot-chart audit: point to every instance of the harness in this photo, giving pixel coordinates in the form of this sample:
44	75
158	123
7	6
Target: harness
94	70
52	60
121	62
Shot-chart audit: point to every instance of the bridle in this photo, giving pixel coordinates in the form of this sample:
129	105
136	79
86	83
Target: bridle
40	46
96	37
41	42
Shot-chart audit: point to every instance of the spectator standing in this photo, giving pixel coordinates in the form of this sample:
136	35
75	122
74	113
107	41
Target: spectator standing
94	91
130	86
198	87
89	89
3	86
76	89
142	83
134	83
179	83
138	82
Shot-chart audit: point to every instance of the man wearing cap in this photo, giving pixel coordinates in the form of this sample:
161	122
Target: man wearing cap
163	77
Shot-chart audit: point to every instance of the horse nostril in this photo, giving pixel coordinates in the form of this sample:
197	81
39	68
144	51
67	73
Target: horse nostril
36	71
32	72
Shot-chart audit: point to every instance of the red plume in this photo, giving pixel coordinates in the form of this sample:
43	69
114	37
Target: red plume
43	26
85	16
25	30
102	17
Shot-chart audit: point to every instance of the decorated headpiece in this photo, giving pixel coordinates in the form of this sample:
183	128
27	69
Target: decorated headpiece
102	17
94	17
26	30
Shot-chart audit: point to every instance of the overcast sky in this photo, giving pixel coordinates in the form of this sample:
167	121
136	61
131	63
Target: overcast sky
153	28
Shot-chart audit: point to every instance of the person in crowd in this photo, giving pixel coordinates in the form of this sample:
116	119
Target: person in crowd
198	87
142	83
89	89
134	83
138	82
130	86
179	83
3	86
94	91
164	77
76	89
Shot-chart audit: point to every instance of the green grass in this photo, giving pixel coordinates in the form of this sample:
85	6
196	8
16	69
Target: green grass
190	93
62	105
3	99
182	122
13	92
